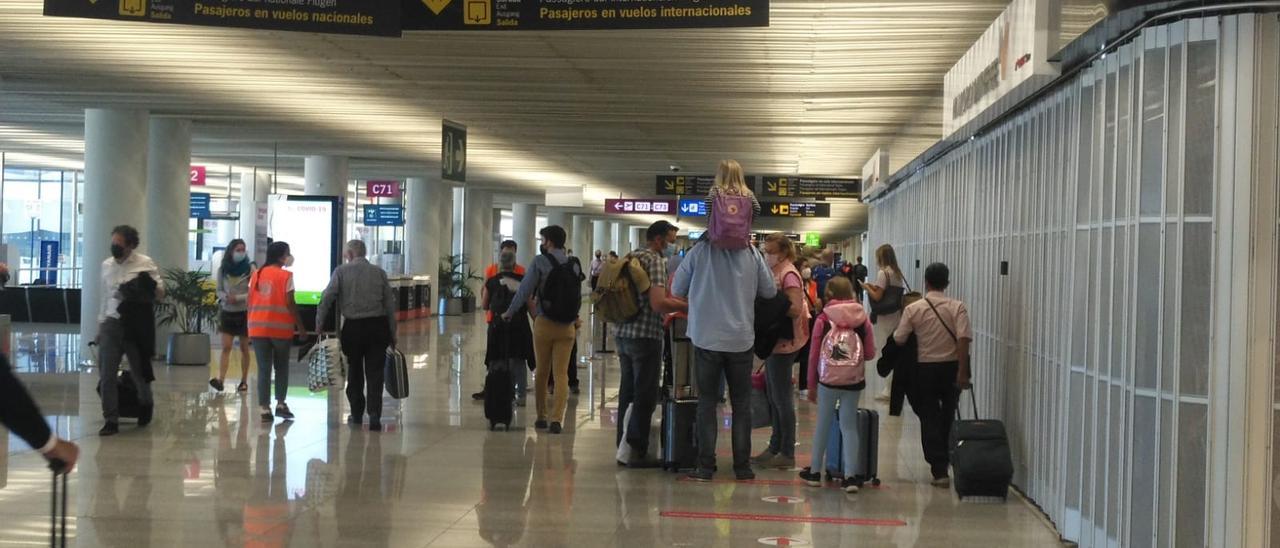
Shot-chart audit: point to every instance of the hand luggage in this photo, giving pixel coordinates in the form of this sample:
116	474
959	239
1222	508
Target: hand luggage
58	506
127	390
326	364
397	374
761	411
980	461
678	357
679	445
867	468
499	396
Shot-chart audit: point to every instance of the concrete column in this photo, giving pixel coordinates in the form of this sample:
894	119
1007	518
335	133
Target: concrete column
254	189
637	238
523	218
581	240
560	217
617	238
115	171
459	215
325	176
423	226
479	243
168	193
599	236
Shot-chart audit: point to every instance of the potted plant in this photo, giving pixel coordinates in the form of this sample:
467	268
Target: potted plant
190	304
455	278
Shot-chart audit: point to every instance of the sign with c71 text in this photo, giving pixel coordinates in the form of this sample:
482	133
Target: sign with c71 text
582	14
378	17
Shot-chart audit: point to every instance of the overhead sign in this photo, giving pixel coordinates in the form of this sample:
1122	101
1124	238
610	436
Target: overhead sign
645	207
582	14
200	202
795	209
198	175
800	186
49	254
1012	55
383	215
380	18
690	185
693	207
382	189
453	152
874	173
812	239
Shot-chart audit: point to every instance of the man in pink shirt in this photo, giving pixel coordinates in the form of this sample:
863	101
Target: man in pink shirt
942	330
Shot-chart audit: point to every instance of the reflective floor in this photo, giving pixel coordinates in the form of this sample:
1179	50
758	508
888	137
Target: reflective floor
209	473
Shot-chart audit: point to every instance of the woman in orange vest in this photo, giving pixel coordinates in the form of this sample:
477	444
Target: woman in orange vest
273	320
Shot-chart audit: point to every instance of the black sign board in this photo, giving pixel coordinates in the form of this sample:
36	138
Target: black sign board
690	185
795	209
379	17
800	186
453	152
582	14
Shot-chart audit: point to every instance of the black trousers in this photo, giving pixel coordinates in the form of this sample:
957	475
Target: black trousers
933	396
365	342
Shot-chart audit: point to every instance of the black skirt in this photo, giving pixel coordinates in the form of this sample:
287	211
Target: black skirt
233	323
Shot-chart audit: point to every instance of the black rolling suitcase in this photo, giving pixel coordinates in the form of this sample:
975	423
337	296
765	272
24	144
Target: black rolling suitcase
58	506
499	396
397	374
679	446
127	395
868	467
980	459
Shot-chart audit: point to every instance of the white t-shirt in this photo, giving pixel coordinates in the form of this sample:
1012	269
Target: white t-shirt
115	273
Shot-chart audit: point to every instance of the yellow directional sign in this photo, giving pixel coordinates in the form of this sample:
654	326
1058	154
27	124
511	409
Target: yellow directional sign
478	12
436	6
134	8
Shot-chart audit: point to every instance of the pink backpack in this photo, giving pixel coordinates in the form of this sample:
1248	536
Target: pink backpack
841	362
730	226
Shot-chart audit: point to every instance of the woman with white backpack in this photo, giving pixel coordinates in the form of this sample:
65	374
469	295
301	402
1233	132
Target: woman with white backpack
843	341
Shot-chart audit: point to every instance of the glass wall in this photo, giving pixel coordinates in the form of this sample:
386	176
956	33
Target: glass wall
1095	348
40	214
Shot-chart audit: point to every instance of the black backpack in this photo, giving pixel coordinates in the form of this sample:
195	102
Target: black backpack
561	294
500	296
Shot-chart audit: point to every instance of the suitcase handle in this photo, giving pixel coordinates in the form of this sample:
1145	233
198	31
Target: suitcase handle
973	398
59	469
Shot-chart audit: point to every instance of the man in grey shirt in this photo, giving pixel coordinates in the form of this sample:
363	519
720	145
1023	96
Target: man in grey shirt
365	300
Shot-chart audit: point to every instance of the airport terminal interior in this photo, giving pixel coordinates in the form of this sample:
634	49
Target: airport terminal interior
1101	179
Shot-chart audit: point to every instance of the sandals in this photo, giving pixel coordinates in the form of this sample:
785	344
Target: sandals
244	387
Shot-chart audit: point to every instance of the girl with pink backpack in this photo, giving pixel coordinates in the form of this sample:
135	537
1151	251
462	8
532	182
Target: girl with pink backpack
842	343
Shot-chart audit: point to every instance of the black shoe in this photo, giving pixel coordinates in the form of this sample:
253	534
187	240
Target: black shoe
744	474
355	419
145	414
540	424
851	485
375	425
267	416
555	428
478	395
701	475
811	478
109	429
283	411
216	384
573	389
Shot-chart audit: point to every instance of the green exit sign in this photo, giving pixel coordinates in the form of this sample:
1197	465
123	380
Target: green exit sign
812	239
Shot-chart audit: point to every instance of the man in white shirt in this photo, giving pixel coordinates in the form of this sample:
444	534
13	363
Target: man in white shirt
115	339
943	334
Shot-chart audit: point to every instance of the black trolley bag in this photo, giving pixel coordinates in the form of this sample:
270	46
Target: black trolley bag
868	468
679	411
980	459
397	374
58	505
499	390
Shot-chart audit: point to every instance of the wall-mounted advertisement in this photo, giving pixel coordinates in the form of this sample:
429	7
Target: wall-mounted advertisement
312	226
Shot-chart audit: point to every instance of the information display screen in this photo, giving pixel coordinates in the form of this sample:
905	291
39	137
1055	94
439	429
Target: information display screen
309	224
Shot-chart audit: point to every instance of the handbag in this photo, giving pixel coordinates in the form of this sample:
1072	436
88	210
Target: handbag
761	411
325	364
890	299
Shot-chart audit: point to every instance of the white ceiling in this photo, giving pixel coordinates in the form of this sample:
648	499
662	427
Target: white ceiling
815	93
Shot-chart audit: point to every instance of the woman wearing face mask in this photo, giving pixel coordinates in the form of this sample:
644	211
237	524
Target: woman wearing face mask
233	313
273	320
780	255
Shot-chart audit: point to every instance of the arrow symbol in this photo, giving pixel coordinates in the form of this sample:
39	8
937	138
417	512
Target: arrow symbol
773	209
671	185
773	187
436	6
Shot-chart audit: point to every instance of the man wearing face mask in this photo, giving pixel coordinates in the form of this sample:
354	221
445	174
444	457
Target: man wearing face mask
640	344
366	301
126	325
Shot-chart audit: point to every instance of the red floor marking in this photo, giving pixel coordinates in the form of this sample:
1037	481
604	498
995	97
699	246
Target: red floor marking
787	519
782	483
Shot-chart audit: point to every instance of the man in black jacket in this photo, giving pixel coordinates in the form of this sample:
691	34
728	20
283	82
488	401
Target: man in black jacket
20	414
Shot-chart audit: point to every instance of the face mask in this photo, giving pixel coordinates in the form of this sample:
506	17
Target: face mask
117	251
288	261
669	250
239	256
772	260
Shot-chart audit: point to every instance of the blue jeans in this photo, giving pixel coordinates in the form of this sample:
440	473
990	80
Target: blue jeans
735	368
848	399
641	361
777	377
273	355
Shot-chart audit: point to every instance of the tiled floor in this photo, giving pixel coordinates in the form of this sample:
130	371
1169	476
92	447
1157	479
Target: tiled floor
208	473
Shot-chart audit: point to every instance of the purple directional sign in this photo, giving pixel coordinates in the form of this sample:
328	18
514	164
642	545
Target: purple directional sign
626	206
